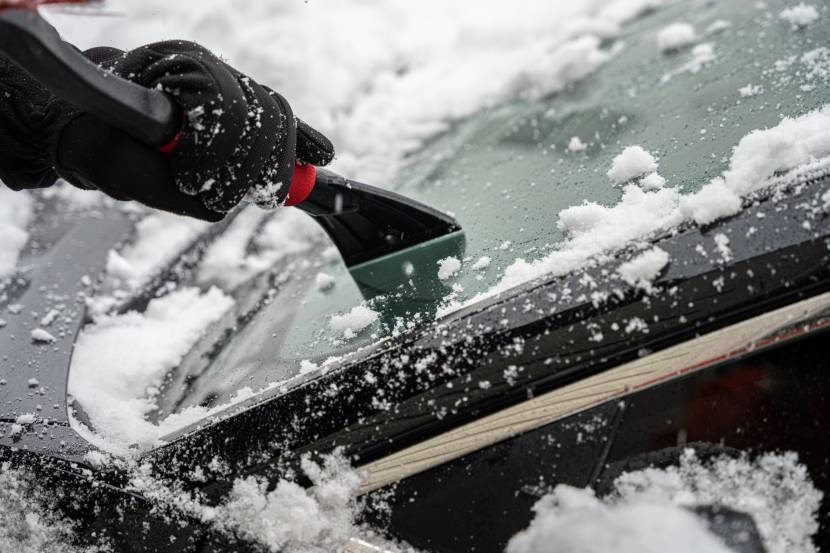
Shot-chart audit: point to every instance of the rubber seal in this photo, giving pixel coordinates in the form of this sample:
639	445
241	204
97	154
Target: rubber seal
302	183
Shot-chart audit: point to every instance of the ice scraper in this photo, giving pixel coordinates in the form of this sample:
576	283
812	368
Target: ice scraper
375	230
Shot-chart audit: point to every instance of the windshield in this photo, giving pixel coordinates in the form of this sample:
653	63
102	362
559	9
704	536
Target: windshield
508	172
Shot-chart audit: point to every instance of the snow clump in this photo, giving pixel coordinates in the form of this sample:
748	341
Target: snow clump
120	361
576	144
799	16
675	36
40	336
352	323
571	520
634	161
646	510
641	271
448	267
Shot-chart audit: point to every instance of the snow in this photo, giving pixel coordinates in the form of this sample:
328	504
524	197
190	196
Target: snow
594	231
121	359
26	523
643	269
702	55
653	181
482	263
646	510
158	239
634	161
750	90
448	267
324	282
40	336
352	323
571	520
675	36
576	145
799	16
228	261
15	214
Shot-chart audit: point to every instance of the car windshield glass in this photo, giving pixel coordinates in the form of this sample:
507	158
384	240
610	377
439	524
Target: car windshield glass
507	173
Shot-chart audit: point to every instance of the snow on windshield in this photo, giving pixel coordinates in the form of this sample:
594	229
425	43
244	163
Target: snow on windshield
381	78
379	97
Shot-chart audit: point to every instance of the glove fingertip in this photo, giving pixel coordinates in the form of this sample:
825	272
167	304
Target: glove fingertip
313	146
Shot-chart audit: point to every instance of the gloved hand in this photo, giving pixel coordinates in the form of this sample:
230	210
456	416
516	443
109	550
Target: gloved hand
237	136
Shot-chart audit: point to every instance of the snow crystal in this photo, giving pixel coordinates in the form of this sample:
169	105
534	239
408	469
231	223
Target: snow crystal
634	161
351	323
448	267
800	15
120	359
40	336
675	36
643	269
576	145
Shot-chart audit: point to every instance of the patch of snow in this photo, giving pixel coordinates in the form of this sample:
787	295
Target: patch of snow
26	523
324	282
482	263
634	161
40	336
388	75
15	215
351	323
800	16
643	269
576	145
594	231
448	267
571	520
702	55
675	36
750	90
158	239
26	419
653	181
718	26
120	361
646	511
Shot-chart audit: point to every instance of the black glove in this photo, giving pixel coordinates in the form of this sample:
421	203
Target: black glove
237	138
